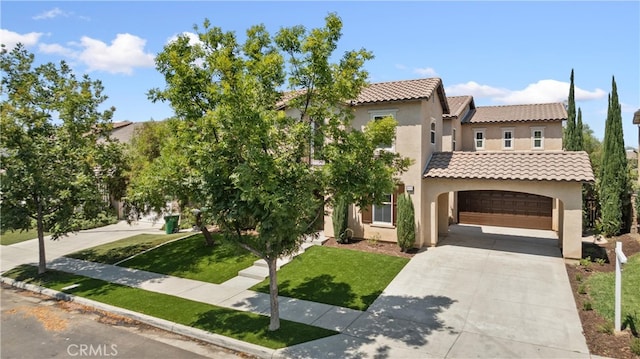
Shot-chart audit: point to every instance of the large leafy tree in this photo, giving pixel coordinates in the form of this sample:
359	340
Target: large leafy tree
54	152
250	161
613	181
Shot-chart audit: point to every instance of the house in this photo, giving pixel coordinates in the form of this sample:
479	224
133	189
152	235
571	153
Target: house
493	165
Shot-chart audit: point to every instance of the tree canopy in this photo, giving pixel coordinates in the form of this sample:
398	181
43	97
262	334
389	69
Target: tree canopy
56	158
265	128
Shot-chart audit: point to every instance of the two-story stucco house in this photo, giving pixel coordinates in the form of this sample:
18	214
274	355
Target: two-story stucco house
494	165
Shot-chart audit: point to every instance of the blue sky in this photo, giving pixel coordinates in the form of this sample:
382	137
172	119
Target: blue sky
500	52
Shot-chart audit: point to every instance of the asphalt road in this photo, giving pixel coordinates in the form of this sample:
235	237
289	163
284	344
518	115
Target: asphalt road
37	327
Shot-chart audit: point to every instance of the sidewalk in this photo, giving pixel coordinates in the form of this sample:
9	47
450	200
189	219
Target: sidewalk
475	295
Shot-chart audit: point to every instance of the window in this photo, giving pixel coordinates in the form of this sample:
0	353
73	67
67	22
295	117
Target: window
433	133
379	115
507	139
453	139
383	213
479	138
537	138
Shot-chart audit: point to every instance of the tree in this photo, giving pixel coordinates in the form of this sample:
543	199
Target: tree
613	181
52	157
250	159
340	220
406	223
570	130
579	132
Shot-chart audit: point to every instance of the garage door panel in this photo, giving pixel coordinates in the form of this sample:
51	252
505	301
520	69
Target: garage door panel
503	208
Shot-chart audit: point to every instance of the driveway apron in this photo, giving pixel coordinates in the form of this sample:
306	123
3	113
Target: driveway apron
482	292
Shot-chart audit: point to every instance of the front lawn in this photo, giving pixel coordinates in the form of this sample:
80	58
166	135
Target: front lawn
190	258
111	253
248	327
601	287
12	237
335	276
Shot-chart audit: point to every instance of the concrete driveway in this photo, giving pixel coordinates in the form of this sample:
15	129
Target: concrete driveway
483	292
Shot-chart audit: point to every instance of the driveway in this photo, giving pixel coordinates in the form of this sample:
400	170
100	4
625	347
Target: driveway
482	292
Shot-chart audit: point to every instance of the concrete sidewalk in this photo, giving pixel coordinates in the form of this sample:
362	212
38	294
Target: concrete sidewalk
481	293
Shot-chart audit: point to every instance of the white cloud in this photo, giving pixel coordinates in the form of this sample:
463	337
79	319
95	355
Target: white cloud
57	49
124	54
549	91
543	91
50	14
476	90
425	71
10	39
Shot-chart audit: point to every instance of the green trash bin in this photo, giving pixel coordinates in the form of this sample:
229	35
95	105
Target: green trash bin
171	224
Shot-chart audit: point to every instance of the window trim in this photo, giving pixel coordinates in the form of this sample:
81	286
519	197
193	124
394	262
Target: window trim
385	203
475	138
453	139
511	139
432	133
533	138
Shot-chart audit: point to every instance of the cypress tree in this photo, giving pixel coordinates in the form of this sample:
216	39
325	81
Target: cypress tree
570	130
406	223
579	130
340	218
613	170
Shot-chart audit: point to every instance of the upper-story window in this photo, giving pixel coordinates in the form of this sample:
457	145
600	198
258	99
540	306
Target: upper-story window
537	138
433	133
453	139
479	138
379	115
507	138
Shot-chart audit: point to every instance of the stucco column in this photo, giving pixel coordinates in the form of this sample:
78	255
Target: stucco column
443	214
572	223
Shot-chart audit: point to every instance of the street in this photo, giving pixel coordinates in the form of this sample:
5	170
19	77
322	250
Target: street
35	326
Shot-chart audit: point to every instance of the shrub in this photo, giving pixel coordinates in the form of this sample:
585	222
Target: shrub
406	223
582	289
578	277
606	327
340	218
587	305
634	344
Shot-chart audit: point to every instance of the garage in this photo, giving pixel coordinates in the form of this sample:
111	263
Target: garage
505	209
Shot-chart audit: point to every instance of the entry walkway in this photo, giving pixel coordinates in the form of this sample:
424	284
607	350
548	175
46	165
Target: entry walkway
480	293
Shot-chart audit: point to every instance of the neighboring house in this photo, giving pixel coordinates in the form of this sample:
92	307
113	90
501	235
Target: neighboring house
636	121
494	165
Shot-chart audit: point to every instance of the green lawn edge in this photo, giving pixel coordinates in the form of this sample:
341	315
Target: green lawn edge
336	276
116	251
601	289
244	326
12	237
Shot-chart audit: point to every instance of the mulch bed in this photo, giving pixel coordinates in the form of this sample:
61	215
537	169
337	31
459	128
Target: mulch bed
600	342
365	245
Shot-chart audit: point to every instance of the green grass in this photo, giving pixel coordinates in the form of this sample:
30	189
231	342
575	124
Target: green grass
335	276
12	237
190	258
114	252
248	327
602	286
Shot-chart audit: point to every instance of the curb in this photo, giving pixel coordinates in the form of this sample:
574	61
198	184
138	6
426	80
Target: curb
216	339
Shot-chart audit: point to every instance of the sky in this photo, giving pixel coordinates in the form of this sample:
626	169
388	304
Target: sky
500	52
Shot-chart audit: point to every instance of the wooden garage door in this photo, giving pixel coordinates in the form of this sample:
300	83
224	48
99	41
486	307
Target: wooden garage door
504	209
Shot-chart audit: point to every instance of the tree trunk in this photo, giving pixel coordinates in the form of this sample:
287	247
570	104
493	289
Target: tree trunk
274	324
207	236
42	262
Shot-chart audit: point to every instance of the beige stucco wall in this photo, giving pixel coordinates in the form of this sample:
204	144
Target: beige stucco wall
413	141
522	135
569	195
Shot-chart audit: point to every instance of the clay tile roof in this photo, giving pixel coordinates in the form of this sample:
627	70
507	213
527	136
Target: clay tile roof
636	118
456	105
519	113
533	166
398	90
